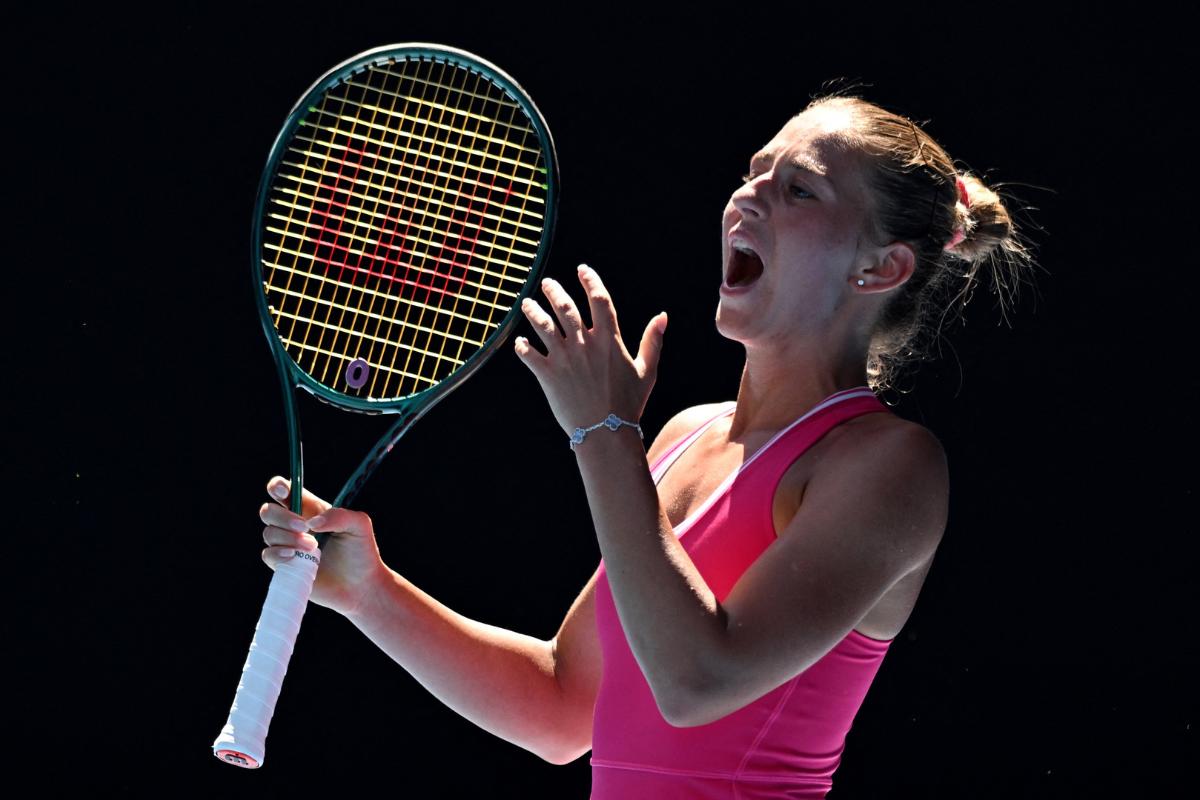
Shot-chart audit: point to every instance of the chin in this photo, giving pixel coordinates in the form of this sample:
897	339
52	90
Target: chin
731	324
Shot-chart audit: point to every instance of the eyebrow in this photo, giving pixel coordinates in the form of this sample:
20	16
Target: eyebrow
797	162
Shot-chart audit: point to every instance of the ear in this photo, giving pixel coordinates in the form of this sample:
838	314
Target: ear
890	266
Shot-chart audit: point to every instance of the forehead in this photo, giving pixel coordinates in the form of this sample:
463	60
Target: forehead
817	139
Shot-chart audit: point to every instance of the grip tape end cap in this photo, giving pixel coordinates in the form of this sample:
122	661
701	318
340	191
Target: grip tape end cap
236	757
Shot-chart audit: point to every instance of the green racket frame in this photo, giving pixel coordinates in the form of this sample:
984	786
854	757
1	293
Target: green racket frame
414	406
243	740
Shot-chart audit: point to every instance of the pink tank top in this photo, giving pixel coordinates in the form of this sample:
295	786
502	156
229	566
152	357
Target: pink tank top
788	742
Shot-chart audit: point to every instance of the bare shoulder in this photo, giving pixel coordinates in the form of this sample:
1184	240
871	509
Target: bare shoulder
873	437
891	469
681	425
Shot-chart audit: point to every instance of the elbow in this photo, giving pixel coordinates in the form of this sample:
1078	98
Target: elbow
680	717
568	739
560	758
684	706
562	753
695	692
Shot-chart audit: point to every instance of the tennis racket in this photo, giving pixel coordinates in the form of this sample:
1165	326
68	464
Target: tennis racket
406	209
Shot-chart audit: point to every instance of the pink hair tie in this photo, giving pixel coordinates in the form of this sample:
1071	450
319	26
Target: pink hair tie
959	234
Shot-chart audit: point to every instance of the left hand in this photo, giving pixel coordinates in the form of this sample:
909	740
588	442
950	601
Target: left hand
587	373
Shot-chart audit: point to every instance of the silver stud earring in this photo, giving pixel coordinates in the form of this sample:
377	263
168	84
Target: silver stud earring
861	282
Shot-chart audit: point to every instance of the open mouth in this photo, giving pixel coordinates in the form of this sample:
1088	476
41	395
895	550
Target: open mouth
745	267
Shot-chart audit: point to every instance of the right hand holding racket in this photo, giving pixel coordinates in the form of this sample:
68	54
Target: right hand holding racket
406	208
350	562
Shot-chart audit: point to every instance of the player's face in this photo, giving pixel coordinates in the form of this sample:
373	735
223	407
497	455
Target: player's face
791	234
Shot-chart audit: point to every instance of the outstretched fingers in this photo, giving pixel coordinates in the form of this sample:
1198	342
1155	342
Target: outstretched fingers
565	309
529	356
545	328
604	315
650	349
543	324
575	330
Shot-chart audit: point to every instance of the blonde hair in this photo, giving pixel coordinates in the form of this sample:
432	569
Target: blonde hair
914	198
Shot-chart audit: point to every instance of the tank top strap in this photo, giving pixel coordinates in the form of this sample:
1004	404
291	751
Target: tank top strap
800	434
779	454
673	452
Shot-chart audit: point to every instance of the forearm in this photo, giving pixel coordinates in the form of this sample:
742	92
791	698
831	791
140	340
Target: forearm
502	681
672	620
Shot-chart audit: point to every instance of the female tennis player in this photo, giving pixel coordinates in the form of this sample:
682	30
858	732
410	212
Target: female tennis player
760	557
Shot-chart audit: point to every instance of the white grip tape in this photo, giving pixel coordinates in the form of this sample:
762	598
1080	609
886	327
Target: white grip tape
243	739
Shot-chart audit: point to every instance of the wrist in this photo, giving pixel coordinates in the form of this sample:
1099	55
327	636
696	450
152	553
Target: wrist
372	596
611	448
611	423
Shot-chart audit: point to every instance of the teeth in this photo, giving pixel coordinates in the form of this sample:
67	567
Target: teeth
741	248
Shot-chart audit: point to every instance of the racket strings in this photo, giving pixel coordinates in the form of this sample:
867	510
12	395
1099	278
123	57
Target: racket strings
393	119
402	224
345	254
434	123
476	134
414	180
519	144
355	164
383	315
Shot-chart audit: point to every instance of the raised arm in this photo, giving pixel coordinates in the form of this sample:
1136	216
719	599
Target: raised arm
874	514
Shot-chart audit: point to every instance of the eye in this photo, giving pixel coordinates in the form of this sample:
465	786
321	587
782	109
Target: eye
800	192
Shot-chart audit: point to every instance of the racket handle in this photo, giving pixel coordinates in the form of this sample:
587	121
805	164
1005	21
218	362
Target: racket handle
243	739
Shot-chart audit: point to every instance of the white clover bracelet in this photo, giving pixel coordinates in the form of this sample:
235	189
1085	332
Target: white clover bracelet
612	422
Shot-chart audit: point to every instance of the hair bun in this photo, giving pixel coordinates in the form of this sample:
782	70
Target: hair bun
960	235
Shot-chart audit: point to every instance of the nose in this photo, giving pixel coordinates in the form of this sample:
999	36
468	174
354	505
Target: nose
748	198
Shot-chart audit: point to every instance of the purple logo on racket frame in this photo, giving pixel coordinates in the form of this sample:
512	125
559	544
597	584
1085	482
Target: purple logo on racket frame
357	372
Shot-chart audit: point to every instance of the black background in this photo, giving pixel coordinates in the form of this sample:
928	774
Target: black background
1053	650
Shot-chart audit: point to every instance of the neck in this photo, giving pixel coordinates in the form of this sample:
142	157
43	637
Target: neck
780	385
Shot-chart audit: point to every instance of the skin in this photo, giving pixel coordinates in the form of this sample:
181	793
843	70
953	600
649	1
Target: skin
862	511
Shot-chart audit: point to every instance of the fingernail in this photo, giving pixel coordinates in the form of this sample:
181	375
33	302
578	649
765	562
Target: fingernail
298	525
316	522
310	542
286	552
279	491
583	268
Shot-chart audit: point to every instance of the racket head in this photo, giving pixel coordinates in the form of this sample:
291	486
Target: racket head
407	206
